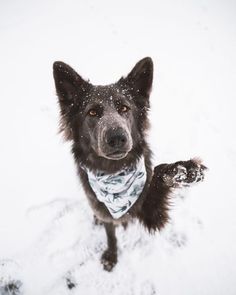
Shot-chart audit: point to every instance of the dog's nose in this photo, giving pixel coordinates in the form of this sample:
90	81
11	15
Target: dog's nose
116	137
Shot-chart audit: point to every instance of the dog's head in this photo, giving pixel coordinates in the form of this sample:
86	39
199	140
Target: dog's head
107	121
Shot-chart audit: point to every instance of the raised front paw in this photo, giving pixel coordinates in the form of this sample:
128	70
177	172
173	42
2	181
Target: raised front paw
184	173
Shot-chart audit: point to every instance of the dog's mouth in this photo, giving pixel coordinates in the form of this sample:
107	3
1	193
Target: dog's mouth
117	155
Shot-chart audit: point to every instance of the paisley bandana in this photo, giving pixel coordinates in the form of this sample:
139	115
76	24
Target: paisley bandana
119	191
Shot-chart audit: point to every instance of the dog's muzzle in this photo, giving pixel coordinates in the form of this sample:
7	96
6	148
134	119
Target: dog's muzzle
117	143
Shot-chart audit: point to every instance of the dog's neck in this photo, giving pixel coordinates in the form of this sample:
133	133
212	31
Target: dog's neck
119	190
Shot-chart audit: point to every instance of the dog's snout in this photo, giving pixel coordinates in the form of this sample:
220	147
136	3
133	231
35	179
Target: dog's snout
116	138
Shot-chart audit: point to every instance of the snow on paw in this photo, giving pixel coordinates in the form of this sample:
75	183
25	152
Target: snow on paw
175	175
196	171
184	173
109	260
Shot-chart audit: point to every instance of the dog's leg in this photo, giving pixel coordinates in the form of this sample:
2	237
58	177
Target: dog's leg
166	177
109	257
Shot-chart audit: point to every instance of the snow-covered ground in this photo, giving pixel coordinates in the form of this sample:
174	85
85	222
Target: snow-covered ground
46	229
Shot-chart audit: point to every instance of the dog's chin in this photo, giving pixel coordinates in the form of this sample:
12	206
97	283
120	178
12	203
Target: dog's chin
118	155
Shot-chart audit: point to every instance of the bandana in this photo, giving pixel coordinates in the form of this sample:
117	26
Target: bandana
119	191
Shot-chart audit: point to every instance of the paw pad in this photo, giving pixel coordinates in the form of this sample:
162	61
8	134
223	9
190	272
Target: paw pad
184	173
180	173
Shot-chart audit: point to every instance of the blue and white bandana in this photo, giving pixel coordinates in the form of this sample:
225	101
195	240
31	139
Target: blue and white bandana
119	191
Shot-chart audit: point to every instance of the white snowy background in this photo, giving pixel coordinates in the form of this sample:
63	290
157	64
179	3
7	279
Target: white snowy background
46	229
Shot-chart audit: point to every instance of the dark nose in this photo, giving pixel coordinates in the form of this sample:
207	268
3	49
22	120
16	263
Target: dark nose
116	137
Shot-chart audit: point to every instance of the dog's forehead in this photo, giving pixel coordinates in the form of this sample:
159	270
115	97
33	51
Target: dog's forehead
109	93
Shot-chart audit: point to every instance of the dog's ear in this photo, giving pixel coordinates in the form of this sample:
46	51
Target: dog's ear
70	88
69	85
141	76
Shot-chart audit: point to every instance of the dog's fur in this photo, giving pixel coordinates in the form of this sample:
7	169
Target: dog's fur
107	126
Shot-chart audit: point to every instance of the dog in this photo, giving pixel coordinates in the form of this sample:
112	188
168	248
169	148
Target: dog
107	126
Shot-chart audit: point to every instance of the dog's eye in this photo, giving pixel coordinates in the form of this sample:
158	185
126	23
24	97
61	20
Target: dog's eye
92	113
123	109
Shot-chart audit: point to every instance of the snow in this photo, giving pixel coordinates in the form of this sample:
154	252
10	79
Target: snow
46	227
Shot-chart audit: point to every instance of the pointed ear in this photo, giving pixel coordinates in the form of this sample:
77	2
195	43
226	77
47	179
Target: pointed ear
141	76
69	84
70	87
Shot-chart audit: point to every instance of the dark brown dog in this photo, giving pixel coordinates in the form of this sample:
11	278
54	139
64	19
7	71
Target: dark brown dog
107	126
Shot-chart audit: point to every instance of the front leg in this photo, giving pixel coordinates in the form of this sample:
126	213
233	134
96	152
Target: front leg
109	257
154	212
